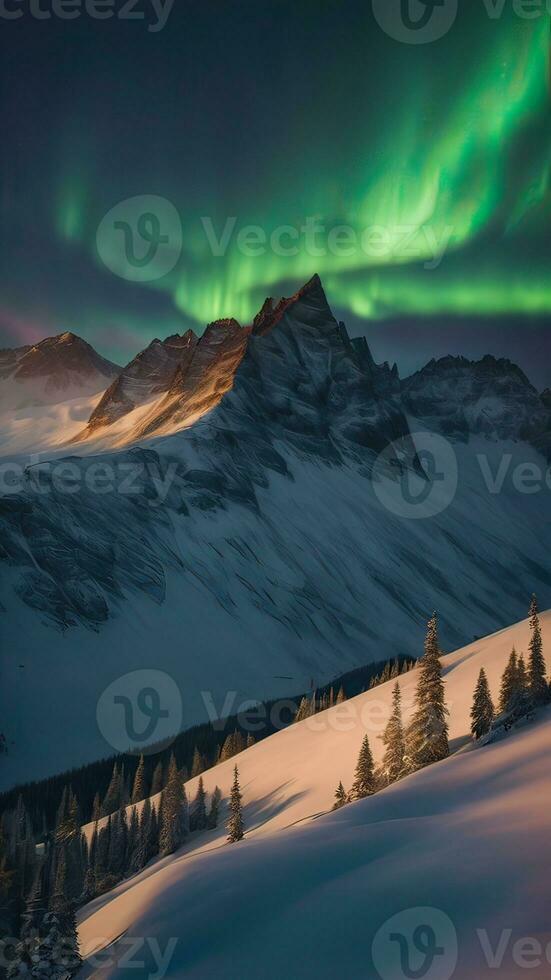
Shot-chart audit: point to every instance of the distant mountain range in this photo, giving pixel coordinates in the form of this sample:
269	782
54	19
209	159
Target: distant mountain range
224	518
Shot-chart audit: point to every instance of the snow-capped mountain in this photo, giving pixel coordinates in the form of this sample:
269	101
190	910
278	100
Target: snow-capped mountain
462	846
249	540
491	396
56	369
150	373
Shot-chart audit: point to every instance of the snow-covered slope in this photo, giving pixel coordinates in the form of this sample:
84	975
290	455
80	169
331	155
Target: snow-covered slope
55	370
491	396
469	837
146	377
260	547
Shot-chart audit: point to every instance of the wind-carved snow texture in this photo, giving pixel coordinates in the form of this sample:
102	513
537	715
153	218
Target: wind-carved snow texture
301	389
248	550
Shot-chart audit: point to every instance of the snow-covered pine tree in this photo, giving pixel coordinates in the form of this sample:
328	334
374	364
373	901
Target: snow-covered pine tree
173	812
537	669
393	765
364	777
522	681
250	741
212	820
427	735
198	814
509	682
139	788
235	821
482	711
48	947
341	797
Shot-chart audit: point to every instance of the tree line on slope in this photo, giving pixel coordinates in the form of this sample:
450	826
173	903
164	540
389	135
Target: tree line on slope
70	869
524	689
196	750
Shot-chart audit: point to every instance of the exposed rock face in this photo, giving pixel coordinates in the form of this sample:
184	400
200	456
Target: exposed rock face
303	380
243	545
200	381
492	397
148	374
56	369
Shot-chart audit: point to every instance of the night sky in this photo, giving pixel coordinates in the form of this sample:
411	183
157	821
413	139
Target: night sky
273	113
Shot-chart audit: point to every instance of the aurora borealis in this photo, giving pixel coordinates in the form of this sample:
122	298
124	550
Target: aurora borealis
275	114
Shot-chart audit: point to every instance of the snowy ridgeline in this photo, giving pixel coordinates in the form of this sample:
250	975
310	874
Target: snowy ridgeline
251	549
451	837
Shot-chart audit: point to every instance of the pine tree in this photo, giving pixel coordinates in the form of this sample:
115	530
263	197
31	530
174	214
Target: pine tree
139	788
427	736
50	952
341	695
303	710
250	741
364	777
198	764
96	808
341	797
173	812
537	670
235	822
393	766
157	781
145	847
522	684
509	682
59	901
216	797
198	816
114	795
482	711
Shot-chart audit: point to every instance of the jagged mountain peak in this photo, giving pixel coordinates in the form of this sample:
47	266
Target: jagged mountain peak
491	396
486	366
311	295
